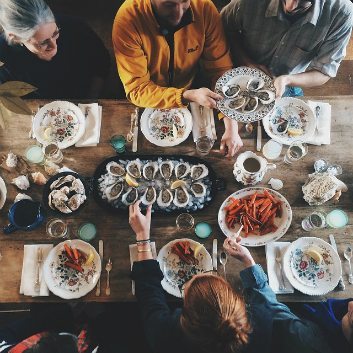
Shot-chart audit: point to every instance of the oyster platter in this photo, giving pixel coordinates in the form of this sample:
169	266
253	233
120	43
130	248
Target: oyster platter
248	93
167	183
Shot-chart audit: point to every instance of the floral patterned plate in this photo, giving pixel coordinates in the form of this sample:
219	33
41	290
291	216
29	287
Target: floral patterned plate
241	76
177	272
282	223
3	193
61	122
166	127
292	119
305	274
65	282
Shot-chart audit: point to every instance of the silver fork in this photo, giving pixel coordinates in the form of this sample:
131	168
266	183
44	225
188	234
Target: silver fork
39	262
279	266
317	114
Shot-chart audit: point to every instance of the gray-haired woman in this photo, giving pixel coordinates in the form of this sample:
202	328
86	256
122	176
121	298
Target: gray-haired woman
59	55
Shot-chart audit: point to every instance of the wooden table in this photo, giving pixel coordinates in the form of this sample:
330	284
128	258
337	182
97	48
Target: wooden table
115	230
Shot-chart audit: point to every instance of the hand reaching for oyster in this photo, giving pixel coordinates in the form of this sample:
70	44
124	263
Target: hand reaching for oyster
231	141
203	96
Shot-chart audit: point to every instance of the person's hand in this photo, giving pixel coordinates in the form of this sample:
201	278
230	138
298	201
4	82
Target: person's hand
139	223
280	83
231	141
233	248
202	96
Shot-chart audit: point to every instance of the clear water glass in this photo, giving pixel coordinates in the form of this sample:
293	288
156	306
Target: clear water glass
53	153
57	228
204	145
316	220
296	151
185	222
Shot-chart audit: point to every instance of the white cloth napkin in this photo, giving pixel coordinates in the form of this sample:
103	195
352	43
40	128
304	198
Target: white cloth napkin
272	267
93	114
29	270
323	134
207	118
133	258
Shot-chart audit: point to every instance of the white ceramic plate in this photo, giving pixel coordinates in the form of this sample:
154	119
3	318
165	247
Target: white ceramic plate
61	122
297	113
306	275
166	127
282	223
67	283
176	271
240	76
3	193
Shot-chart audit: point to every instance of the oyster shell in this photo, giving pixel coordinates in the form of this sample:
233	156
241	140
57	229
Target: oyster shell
114	191
281	128
255	83
231	91
150	170
134	168
115	169
65	190
182	170
266	96
61	206
250	105
51	168
165	198
181	197
166	169
38	178
198	189
78	186
149	196
76	201
21	182
198	171
130	196
236	103
21	196
61	181
11	160
56	197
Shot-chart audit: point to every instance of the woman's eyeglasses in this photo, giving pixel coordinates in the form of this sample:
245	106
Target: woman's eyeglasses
47	42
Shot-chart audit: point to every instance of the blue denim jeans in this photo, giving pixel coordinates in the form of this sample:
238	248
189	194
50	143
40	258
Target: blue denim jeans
293	92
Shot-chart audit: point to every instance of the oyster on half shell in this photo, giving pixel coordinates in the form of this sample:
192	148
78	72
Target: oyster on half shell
134	168
150	170
255	83
130	196
115	169
250	105
181	170
236	103
149	196
198	189
266	96
198	171
76	201
231	91
166	169
114	191
165	198
181	197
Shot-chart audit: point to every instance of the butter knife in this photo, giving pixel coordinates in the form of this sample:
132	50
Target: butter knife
100	250
135	131
340	285
214	255
259	136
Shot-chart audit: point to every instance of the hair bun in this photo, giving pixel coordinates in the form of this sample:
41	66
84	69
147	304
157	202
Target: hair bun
227	330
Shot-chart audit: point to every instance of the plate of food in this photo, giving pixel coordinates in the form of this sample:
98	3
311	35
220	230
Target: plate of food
249	94
60	122
3	193
265	215
312	266
180	260
292	119
166	127
65	193
72	269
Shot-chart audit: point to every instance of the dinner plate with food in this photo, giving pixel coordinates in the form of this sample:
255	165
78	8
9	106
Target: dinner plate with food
166	127
60	122
265	215
3	193
312	266
180	260
248	94
292	119
72	269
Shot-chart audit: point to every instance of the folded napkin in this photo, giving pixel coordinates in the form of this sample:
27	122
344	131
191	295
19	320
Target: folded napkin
273	271
93	114
206	119
133	258
29	270
322	135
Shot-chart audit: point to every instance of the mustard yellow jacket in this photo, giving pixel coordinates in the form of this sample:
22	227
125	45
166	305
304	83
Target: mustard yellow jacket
142	52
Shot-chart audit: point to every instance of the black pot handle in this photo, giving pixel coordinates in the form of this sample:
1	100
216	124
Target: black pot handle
220	184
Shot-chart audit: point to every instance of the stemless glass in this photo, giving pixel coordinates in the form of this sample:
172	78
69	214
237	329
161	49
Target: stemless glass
204	145
118	142
57	228
185	222
34	154
316	220
296	151
53	153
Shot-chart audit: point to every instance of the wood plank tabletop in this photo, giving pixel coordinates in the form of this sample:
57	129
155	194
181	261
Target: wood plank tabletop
114	228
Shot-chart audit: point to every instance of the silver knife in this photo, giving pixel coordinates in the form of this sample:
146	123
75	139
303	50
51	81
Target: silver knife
100	250
214	255
135	131
340	285
259	136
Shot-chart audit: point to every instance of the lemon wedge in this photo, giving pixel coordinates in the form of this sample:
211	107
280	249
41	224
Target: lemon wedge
295	132
90	258
175	131
314	254
197	250
177	184
131	181
47	133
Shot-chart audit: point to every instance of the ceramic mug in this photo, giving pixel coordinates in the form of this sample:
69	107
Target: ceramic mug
249	168
25	215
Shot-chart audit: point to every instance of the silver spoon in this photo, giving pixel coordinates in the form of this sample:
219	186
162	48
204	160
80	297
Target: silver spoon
223	258
348	255
108	268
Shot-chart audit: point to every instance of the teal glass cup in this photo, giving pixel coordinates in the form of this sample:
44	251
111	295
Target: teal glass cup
118	142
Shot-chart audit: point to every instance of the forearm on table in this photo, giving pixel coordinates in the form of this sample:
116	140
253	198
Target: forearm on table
307	79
